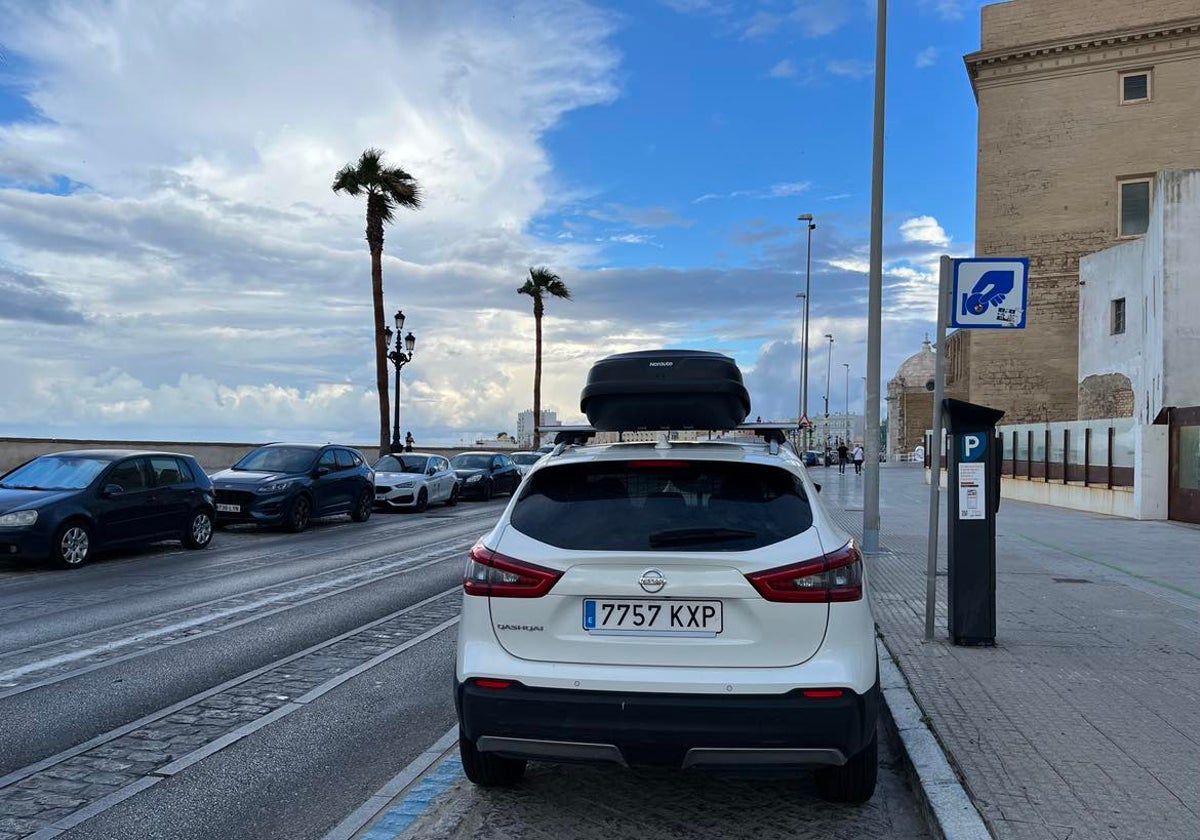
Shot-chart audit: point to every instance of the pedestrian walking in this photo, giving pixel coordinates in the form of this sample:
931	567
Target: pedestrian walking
408	442
857	456
843	457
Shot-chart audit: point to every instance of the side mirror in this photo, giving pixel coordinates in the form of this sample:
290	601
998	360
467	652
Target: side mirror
111	490
321	471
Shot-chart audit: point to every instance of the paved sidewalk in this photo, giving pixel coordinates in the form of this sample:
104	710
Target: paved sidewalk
1084	721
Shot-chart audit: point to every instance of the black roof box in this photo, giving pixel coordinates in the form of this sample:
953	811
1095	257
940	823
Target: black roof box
665	389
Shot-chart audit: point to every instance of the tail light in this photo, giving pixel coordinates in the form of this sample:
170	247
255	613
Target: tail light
831	578
492	574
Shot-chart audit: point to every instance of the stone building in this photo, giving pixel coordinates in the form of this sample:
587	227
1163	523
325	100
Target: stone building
1081	104
910	403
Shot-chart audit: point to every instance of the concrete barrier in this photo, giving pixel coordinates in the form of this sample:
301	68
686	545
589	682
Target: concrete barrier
212	456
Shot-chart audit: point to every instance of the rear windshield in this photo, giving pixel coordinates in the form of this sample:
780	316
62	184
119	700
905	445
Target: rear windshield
662	506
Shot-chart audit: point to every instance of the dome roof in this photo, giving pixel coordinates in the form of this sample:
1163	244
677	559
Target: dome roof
917	368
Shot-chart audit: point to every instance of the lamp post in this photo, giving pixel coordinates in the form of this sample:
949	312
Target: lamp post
400	357
802	403
810	226
828	370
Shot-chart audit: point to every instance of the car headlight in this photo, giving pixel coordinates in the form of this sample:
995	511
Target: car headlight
405	484
277	487
474	478
18	519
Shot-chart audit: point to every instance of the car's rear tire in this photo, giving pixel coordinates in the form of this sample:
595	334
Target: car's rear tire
298	515
72	545
489	769
854	781
422	501
362	510
199	531
453	500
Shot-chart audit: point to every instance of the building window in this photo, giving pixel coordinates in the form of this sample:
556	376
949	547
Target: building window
1133	206
1118	316
1135	87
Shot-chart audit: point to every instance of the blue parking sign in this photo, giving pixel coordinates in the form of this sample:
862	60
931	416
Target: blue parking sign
990	293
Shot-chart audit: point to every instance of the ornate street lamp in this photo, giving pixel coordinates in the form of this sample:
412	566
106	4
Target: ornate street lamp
400	357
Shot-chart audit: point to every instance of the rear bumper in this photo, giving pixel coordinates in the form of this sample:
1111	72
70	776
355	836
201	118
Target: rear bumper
668	730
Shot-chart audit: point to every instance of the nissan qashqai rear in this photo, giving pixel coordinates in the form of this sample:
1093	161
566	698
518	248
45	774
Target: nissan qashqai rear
690	606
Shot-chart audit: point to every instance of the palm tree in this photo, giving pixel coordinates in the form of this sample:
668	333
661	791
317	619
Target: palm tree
541	282
386	187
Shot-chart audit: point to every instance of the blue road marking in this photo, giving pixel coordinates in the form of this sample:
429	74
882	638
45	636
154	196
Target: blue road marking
404	813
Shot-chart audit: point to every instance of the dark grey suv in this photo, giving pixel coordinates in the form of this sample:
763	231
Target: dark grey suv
290	484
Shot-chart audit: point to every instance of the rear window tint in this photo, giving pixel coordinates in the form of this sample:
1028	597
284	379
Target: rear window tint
649	506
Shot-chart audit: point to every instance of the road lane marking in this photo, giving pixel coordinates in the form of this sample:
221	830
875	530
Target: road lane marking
29	770
366	577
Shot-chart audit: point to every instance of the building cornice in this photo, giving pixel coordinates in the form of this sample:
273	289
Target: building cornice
1084	54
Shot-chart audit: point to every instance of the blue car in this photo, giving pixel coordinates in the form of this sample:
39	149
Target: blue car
69	505
290	484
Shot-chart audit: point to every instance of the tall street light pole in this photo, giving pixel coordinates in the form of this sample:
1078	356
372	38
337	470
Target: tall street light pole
810	226
846	365
802	404
828	370
399	358
870	529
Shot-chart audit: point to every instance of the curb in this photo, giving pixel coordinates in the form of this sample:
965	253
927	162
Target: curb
948	809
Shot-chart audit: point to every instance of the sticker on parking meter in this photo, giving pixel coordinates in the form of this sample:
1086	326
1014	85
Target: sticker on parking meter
972	491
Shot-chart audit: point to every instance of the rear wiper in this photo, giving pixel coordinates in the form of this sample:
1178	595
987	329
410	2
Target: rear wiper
686	536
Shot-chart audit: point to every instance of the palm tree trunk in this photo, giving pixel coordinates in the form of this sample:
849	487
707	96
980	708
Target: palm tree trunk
537	376
375	242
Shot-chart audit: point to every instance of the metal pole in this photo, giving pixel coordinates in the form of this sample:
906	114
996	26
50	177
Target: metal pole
810	225
802	402
846	365
870	529
397	446
935	447
828	370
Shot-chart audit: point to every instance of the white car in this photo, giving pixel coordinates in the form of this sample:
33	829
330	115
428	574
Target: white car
414	480
688	604
525	460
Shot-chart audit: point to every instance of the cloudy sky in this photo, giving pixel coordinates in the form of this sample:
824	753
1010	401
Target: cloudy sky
173	263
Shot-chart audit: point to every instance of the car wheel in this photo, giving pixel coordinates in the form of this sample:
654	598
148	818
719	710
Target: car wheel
199	531
72	545
366	504
422	501
854	781
487	491
488	769
453	500
298	515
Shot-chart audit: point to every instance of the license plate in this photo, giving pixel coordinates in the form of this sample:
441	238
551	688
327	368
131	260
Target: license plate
635	617
228	508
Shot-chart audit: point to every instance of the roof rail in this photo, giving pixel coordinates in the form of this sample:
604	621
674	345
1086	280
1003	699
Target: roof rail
573	435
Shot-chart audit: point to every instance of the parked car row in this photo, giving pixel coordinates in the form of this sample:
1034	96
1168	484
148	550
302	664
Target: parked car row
66	506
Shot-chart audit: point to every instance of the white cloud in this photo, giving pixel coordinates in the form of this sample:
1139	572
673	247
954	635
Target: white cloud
784	189
784	69
854	68
948	10
927	57
924	229
208	273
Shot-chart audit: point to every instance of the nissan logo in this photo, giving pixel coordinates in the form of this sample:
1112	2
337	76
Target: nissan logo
652	580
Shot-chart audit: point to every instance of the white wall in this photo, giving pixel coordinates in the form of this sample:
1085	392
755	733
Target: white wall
1105	276
1180	191
1158	274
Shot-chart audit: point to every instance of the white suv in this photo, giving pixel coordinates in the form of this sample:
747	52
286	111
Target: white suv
682	605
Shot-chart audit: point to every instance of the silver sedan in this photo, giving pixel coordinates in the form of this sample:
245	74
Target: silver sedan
414	480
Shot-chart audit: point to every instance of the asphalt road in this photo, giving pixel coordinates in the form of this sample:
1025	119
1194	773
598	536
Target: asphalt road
269	686
261	688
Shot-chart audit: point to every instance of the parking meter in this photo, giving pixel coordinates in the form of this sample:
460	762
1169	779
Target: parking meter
974	498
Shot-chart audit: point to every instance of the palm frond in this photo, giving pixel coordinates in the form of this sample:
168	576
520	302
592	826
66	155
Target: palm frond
346	180
557	288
